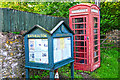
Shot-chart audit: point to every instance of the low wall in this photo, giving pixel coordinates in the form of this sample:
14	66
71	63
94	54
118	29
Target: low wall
12	56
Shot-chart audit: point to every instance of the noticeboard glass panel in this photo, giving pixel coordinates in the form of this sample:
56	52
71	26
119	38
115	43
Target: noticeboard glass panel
62	48
38	50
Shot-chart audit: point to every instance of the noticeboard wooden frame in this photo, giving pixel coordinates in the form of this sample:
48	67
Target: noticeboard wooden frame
37	32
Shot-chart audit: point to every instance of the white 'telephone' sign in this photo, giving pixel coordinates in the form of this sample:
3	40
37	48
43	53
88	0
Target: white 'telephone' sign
38	50
80	10
94	10
62	48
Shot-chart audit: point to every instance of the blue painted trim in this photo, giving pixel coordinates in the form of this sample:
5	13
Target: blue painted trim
63	60
38	38
37	68
27	73
72	47
50	52
72	71
26	50
51	74
62	35
63	63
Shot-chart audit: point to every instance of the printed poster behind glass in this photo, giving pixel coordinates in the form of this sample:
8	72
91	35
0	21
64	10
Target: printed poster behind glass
62	48
38	50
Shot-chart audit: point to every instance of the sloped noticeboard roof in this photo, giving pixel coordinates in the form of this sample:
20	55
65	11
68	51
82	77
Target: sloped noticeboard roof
50	31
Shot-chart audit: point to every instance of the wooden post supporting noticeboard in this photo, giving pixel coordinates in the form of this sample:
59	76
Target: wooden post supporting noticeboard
51	74
27	73
72	70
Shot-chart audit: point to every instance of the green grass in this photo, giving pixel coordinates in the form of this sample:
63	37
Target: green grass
109	64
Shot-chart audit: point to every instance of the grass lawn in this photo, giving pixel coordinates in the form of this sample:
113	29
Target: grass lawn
109	64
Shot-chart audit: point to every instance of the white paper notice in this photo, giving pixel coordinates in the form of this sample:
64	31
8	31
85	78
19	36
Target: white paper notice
62	48
44	45
31	44
37	57
31	56
44	57
38	44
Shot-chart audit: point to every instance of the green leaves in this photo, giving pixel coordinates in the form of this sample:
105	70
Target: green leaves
109	16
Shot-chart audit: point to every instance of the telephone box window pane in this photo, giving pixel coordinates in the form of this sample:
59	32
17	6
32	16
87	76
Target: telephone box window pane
96	48
95	19
79	49
85	49
96	42
95	25
85	55
78	43
85	31
78	26
85	19
95	54
72	26
79	37
79	32
95	31
85	43
95	59
77	55
78	20
82	43
95	37
80	55
85	61
85	25
73	20
81	61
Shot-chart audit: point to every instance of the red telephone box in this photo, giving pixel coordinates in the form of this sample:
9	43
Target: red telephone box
84	20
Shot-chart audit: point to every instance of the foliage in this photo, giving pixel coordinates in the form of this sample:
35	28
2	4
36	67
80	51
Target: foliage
65	72
110	16
48	8
109	64
109	11
41	74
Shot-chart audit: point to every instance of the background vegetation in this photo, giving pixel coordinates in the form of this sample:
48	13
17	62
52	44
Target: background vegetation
110	12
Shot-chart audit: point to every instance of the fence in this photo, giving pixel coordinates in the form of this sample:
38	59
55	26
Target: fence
110	40
14	20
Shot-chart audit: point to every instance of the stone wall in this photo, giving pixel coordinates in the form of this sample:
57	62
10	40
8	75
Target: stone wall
113	35
12	56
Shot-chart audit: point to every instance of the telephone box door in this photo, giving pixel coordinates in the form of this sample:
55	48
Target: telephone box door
81	38
96	41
